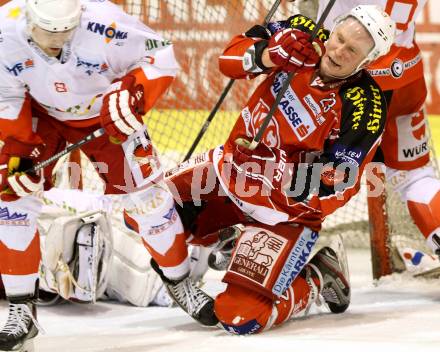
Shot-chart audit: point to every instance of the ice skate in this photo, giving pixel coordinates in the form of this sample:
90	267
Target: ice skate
21	327
330	264
190	298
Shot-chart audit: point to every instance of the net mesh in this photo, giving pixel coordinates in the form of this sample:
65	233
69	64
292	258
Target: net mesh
201	29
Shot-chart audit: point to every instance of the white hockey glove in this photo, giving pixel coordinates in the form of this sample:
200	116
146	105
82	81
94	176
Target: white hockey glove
123	109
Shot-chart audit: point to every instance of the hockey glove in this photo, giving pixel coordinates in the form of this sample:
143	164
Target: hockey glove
15	158
291	50
263	167
123	109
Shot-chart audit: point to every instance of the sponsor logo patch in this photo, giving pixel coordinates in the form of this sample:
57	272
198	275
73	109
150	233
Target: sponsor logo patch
357	96
153	44
255	255
375	116
296	114
397	68
315	108
19	67
254	120
352	156
14	219
109	32
170	216
246	329
296	260
328	103
413	140
91	67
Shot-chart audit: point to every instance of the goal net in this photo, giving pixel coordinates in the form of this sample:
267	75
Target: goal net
200	29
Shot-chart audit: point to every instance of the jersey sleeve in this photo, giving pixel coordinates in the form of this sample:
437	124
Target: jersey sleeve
239	52
144	54
344	159
15	109
242	56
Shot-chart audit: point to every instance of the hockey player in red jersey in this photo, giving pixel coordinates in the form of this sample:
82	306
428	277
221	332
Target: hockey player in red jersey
405	142
321	138
68	68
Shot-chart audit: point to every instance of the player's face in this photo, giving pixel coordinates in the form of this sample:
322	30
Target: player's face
50	42
347	47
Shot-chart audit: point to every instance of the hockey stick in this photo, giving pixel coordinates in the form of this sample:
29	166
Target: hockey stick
138	94
259	136
55	157
224	93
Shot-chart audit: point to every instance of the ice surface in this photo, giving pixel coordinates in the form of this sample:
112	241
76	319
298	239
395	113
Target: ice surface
400	314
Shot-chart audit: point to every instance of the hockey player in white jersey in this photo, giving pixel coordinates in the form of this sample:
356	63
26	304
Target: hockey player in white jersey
67	68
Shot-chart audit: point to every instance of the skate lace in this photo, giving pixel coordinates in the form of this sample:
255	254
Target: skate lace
19	317
190	296
222	260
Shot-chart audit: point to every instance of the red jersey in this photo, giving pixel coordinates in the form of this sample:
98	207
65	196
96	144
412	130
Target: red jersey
339	122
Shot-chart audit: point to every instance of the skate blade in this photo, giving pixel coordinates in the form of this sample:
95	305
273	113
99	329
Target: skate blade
429	274
337	245
28	346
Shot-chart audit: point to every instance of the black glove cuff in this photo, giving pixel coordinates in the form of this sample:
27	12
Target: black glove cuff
252	59
258	31
259	48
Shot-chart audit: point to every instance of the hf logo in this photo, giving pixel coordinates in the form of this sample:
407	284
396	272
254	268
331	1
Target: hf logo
60	87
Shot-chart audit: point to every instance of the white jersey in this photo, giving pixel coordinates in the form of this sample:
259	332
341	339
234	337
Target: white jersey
403	12
107	44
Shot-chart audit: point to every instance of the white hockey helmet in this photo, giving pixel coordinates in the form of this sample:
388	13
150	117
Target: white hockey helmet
379	24
54	15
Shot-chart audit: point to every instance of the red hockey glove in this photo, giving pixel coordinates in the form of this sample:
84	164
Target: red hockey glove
123	108
291	50
263	167
15	158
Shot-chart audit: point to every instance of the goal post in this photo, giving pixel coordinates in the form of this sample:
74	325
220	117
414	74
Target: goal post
379	231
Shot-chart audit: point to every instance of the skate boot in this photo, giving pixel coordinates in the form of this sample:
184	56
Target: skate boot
190	298
220	256
21	326
330	265
47	298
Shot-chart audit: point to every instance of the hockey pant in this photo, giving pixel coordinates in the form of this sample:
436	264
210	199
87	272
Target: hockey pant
268	280
203	212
